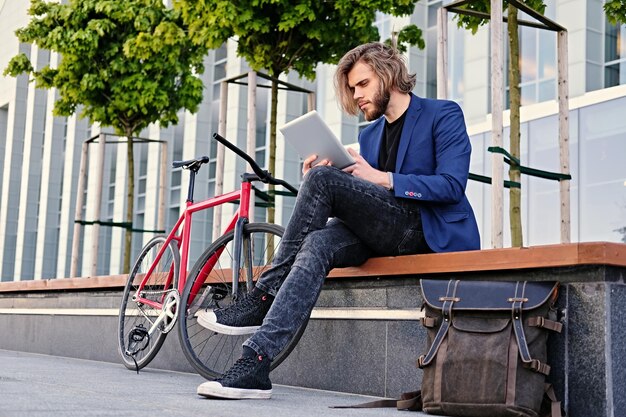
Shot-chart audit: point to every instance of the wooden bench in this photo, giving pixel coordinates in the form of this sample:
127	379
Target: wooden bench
507	259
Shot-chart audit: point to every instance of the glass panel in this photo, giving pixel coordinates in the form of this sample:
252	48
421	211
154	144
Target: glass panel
547	90
219	71
528	54
547	55
602	171
259	157
176	178
432	14
529	95
611	75
611	44
431	63
220	53
457	65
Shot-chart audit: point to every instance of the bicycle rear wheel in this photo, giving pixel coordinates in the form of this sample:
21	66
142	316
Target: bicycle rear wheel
138	318
212	353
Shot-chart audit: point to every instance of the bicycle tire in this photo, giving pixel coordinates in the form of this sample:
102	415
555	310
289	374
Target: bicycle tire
212	353
133	314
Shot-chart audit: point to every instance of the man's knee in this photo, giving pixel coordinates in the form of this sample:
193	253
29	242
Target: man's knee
321	175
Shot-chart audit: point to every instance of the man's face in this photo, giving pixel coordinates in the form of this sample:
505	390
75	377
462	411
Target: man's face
367	91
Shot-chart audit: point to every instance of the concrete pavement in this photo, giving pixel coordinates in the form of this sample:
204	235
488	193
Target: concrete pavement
34	385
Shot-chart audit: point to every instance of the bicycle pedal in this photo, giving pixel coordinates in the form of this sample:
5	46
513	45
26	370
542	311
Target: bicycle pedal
219	293
136	336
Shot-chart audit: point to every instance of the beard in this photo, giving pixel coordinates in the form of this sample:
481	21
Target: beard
380	102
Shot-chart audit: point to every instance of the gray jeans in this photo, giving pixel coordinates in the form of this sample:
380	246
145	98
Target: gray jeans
366	220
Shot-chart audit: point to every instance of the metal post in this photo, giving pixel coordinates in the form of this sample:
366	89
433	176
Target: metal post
310	102
251	129
78	216
98	206
219	169
442	53
162	186
497	88
564	185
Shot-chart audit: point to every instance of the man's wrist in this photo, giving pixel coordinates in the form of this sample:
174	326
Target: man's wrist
390	180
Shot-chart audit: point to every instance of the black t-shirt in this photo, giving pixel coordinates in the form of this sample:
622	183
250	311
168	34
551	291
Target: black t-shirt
389	145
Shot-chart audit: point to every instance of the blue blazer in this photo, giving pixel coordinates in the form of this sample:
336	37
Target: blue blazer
432	167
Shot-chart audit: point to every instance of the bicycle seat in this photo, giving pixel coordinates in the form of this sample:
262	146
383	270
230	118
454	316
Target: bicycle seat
192	164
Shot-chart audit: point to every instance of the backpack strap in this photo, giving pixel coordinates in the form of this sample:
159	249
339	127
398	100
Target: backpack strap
517	303
545	323
550	406
538	366
411	401
516	316
446	313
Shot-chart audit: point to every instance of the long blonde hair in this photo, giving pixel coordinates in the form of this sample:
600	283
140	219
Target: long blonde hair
386	62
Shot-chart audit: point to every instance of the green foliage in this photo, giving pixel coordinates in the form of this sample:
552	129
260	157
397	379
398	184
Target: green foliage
127	63
484	6
615	11
409	35
280	35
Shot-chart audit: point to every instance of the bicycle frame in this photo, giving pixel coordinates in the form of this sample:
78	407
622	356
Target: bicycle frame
183	239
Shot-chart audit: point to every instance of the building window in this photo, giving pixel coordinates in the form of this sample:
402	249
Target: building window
456	55
614	55
538	66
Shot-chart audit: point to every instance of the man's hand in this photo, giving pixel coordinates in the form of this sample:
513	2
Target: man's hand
306	165
362	169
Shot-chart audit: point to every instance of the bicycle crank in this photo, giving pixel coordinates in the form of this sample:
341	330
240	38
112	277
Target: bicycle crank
168	311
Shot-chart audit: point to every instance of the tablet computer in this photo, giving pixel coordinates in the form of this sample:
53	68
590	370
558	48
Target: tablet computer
309	135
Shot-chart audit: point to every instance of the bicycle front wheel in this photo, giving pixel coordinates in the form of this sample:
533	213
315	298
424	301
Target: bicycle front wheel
142	327
209	352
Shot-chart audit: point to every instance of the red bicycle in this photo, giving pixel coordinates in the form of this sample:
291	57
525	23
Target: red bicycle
160	292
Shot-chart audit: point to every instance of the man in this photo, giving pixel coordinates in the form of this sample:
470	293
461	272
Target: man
405	194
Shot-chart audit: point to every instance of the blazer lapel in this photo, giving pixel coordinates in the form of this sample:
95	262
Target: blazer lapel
377	139
412	115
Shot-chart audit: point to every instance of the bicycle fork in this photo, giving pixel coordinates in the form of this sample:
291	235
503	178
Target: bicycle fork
242	244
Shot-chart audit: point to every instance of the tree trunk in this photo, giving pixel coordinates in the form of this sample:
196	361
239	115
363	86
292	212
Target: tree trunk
515	194
130	202
272	147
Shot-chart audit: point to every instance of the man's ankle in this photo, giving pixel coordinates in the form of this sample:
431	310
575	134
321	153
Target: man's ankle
248	352
257	292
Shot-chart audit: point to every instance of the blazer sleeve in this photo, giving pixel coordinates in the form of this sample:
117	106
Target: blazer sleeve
451	155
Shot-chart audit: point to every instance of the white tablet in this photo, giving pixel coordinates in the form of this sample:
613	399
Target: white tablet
309	135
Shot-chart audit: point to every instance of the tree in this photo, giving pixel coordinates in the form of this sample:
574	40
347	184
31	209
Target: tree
473	23
616	12
282	35
124	64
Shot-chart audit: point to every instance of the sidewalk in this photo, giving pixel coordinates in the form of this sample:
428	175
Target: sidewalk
33	385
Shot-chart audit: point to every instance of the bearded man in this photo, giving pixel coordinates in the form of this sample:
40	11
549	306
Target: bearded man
404	195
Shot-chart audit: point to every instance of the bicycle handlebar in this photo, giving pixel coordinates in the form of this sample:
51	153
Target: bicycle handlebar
264	175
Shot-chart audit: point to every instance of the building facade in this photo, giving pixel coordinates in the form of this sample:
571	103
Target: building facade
40	154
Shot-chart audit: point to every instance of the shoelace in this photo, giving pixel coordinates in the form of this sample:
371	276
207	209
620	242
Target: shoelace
239	368
242	306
